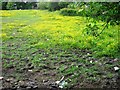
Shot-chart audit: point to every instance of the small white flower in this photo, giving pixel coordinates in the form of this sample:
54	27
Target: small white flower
91	61
47	39
88	53
116	68
115	60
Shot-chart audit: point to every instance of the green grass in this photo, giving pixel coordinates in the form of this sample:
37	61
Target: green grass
43	29
46	38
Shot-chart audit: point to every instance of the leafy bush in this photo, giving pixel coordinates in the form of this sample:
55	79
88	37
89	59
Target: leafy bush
57	5
72	5
43	5
80	12
10	6
105	11
68	12
0	5
3	5
53	6
20	5
63	4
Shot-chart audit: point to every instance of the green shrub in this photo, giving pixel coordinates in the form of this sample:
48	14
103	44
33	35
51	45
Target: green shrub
3	5
72	5
53	6
43	5
10	6
63	4
57	5
68	12
0	5
20	5
80	12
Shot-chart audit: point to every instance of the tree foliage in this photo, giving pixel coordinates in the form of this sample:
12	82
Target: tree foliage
4	4
53	6
20	5
57	5
43	5
10	5
105	11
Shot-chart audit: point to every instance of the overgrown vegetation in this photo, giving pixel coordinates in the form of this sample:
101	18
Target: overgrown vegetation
68	12
18	5
66	32
80	45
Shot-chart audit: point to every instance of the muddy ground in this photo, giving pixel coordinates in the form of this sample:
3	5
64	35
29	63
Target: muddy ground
28	76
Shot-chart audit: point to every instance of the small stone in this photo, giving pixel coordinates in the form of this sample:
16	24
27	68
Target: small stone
57	82
18	87
7	80
115	60
1	78
30	70
35	86
28	87
16	83
60	86
45	81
